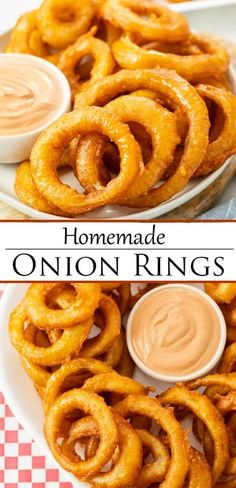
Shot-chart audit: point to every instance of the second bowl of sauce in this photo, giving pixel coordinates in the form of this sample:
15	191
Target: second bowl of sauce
176	333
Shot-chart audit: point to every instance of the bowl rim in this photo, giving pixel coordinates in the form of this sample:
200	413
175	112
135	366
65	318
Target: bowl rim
64	103
195	374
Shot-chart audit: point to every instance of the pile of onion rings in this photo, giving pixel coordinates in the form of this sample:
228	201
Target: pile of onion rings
73	347
138	72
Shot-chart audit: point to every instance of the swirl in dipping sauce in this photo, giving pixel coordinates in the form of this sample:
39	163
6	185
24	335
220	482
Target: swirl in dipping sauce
30	95
175	331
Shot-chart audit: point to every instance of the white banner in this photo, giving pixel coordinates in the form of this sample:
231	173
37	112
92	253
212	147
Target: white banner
123	251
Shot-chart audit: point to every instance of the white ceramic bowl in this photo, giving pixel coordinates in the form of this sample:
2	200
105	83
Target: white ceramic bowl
195	374
16	148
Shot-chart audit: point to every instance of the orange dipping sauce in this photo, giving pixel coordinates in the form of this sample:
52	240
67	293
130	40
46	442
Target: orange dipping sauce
30	95
175	331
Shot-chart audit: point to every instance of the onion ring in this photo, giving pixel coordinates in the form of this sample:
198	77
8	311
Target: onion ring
122	297
86	45
204	409
221	292
108	32
46	154
25	37
156	470
61	296
151	408
159	124
38	374
74	366
90	404
61	22
126	365
179	93
213	57
231	334
27	192
98	345
160	22
199	472
227	403
224	146
122	473
113	355
114	383
216	384
229	312
70	341
86	301
228	381
228	359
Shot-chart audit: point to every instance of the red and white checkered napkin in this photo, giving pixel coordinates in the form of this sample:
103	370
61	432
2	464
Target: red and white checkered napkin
22	464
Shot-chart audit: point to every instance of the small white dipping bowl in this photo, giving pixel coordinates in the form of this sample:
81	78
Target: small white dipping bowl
195	374
17	148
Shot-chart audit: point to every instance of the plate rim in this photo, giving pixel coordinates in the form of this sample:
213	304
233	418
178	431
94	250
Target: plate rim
9	396
197	5
146	214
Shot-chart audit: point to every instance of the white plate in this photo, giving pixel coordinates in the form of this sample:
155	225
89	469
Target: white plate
18	389
193	188
195	5
7	195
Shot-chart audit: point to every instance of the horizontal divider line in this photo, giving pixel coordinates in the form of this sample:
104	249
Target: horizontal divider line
122	249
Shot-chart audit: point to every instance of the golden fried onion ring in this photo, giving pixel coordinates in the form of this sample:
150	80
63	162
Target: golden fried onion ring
61	22
25	37
226	403
38	374
228	381
159	123
27	192
70	341
204	409
126	365
48	148
199	471
179	93
90	404
146	19
221	292
225	144
229	312
75	366
86	301
113	355
125	468
212	59
86	45
156	470
123	297
228	359
151	408
98	345
113	382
